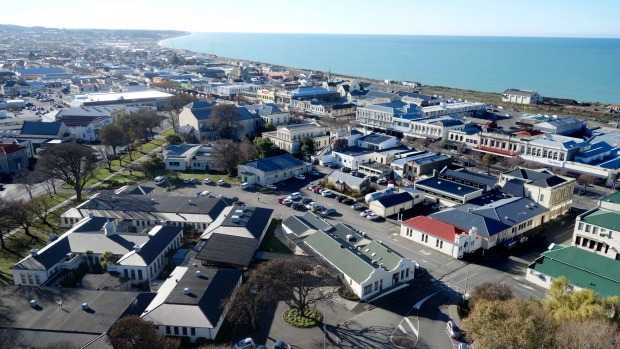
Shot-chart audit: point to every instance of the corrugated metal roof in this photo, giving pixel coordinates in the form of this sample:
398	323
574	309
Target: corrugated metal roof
434	227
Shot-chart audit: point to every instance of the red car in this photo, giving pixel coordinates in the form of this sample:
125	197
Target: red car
317	190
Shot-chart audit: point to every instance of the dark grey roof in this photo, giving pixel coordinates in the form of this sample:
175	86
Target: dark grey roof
375	138
41	128
347	178
254	219
137	190
514	187
228	249
276	163
87	111
157	243
263	109
394	199
207	291
54	254
541	178
467	176
511	211
466	220
438	184
106	308
44	339
316	221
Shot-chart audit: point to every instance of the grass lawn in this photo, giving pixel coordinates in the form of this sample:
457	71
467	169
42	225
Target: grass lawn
168	132
271	243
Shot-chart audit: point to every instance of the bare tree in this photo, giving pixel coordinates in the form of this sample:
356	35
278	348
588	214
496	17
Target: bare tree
23	215
585	180
226	120
9	338
6	223
107	155
226	155
62	345
115	136
175	104
489	291
70	162
27	180
247	151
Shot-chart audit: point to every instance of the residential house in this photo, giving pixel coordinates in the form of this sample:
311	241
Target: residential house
232	240
598	230
198	115
542	186
345	183
13	157
367	266
140	257
582	268
517	96
272	170
289	137
196	157
444	237
193	302
270	113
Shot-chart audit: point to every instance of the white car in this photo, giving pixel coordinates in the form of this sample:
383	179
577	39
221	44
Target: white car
271	186
310	205
287	202
207	181
247	343
294	196
221	182
365	213
327	193
300	176
205	193
373	216
312	186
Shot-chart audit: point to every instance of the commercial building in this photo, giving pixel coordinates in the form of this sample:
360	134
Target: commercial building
198	116
517	96
444	237
196	157
396	203
598	230
346	183
272	170
149	98
86	122
456	187
289	137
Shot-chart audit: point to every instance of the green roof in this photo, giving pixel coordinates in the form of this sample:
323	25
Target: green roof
603	218
613	198
356	264
582	268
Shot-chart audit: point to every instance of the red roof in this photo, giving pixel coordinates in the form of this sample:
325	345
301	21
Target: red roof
9	148
498	151
434	227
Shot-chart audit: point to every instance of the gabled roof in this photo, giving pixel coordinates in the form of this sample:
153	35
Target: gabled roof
603	218
393	200
306	224
517	92
514	187
202	307
582	268
36	128
467	220
159	238
434	227
6	149
275	163
511	211
228	249
347	178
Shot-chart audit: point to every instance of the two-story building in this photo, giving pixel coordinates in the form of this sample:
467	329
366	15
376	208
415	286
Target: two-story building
13	157
513	95
598	230
456	187
289	137
196	157
444	237
198	115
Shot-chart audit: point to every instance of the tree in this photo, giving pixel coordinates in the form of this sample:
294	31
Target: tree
588	334
23	215
225	118
152	166
307	146
489	160
247	151
133	332
106	155
265	148
489	291
511	324
10	338
6	223
150	120
269	127
226	155
28	180
175	104
114	136
585	180
70	162
173	139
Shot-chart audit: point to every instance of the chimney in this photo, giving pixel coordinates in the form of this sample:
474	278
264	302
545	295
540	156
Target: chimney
85	306
186	291
33	303
109	227
198	274
90	213
136	248
34	252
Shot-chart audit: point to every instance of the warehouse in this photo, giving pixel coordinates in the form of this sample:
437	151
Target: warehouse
396	203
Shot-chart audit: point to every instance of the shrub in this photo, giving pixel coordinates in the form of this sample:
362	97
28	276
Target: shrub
201	341
347	293
312	317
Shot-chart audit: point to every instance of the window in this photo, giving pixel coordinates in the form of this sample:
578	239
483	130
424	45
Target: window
139	274
577	240
587	228
580	226
192	331
23	278
176	330
595	230
37	279
168	330
367	289
174	163
184	330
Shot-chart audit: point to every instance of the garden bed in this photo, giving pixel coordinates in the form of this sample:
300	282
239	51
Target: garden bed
311	318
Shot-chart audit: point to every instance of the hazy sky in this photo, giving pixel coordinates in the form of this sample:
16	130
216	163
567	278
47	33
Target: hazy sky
565	18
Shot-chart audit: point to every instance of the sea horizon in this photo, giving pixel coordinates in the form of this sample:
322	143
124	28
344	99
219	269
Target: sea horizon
578	68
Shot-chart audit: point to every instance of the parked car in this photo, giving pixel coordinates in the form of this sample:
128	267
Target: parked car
313	186
159	180
271	186
306	200
365	213
207	181
317	190
315	172
221	182
346	169
339	198
327	193
348	201
357	206
329	212
287	202
187	181
245	185
373	216
300	176
295	196
298	206
310	205
247	343
281	345
463	346
282	184
205	194
452	329
382	181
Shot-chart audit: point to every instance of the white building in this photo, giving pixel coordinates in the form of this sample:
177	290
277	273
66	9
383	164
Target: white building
521	96
289	137
149	98
272	170
598	230
197	157
444	237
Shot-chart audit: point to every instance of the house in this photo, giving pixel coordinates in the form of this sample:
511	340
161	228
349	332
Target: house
456	187
289	137
367	266
15	88
496	221
197	157
517	96
598	230
346	183
198	115
272	170
542	186
140	258
444	237
396	203
234	237
144	211
193	302
13	157
582	268
41	317
270	113
421	163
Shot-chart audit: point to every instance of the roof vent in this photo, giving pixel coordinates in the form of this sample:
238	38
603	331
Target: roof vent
136	248
34	252
91	214
460	188
380	242
85	306
341	246
438	182
152	200
350	237
239	213
33	303
198	274
235	219
189	202
186	291
243	208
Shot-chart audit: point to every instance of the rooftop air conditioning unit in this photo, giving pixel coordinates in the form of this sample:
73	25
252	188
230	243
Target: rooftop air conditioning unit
186	291
239	213
85	306
235	219
198	273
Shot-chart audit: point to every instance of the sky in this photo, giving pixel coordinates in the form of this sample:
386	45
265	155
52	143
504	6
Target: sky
546	18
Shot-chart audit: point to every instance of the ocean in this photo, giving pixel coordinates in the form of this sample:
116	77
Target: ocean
574	68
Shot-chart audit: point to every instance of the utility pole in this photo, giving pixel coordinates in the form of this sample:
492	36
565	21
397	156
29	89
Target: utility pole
466	279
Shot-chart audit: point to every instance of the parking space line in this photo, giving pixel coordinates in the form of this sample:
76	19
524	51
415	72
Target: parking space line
400	327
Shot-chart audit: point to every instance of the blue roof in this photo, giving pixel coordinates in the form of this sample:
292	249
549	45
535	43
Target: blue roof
41	128
276	163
